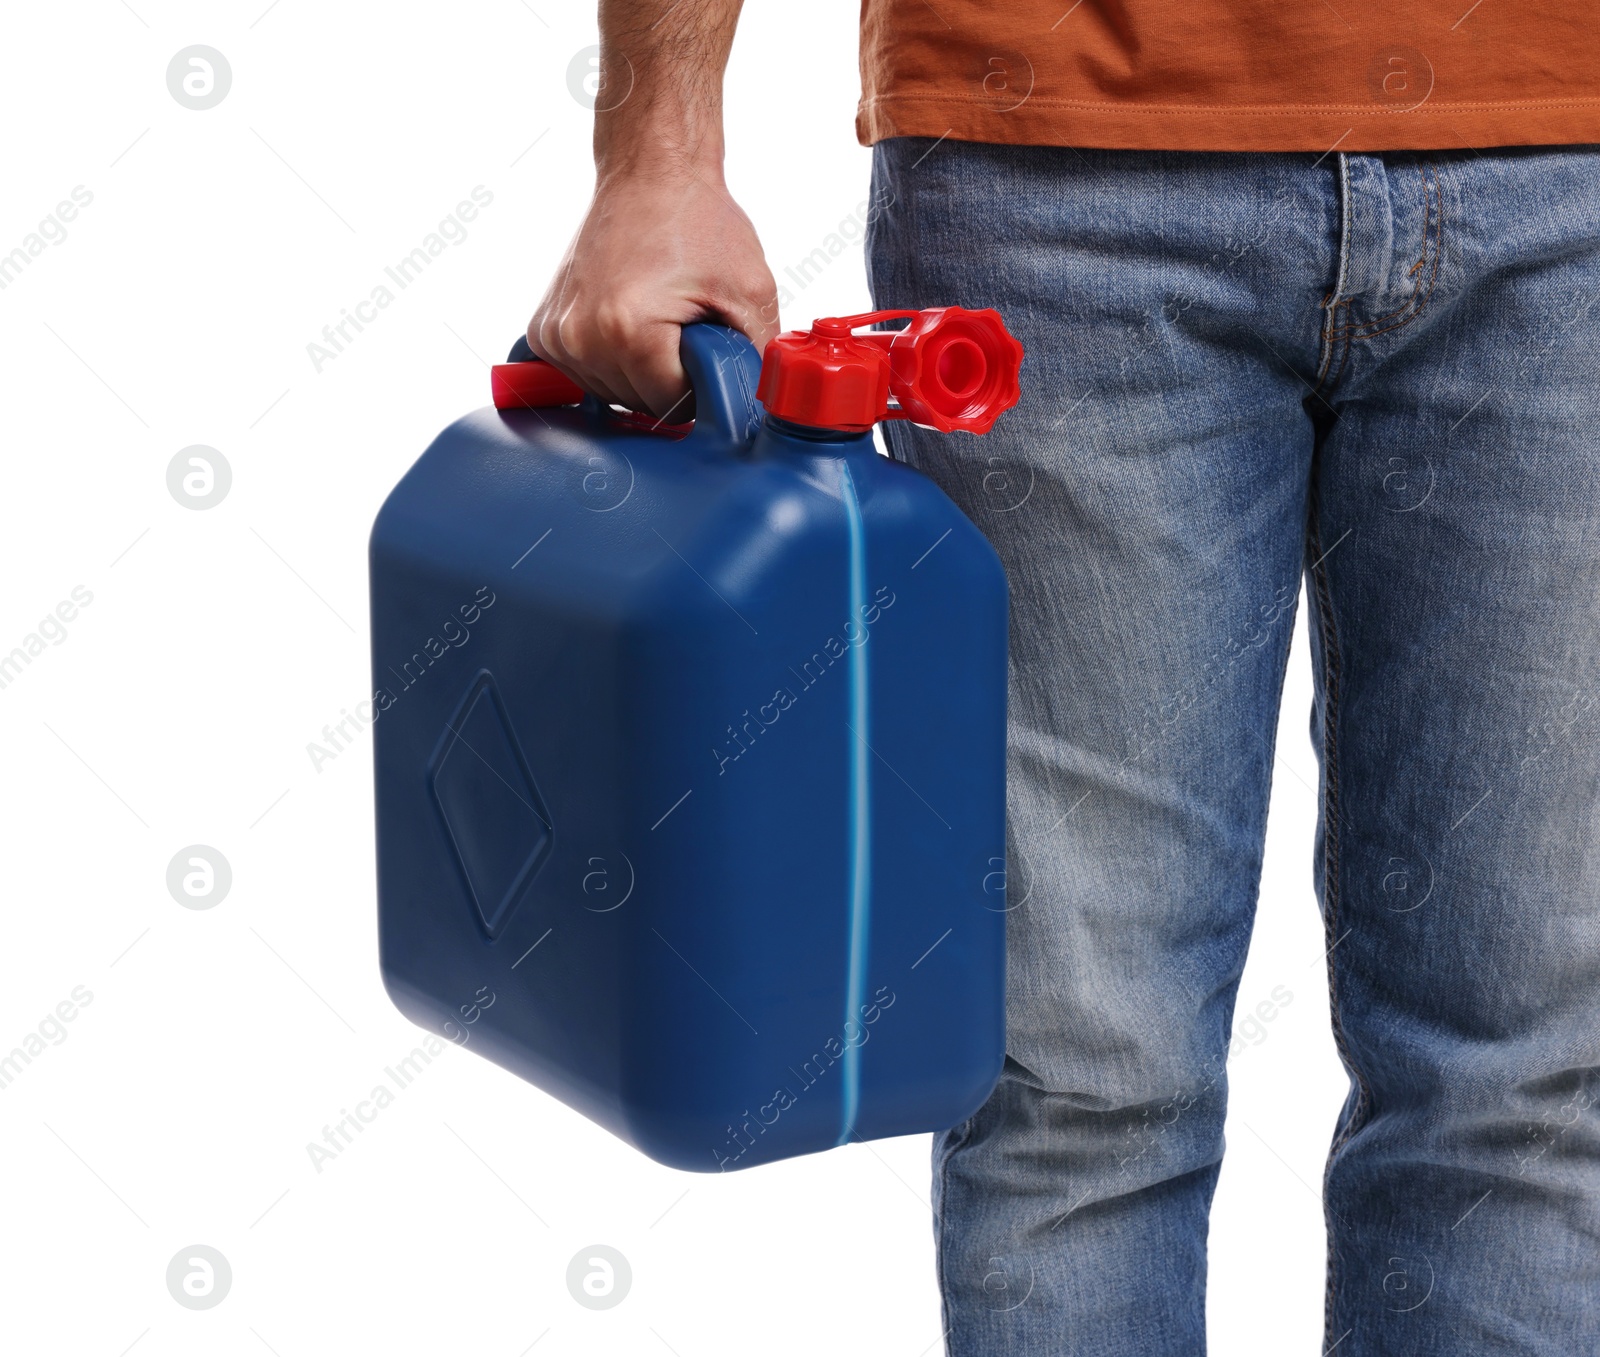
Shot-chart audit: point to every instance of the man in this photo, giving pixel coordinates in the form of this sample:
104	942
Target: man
1306	292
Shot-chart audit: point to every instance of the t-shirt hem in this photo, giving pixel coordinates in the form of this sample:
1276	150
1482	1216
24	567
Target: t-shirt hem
1177	127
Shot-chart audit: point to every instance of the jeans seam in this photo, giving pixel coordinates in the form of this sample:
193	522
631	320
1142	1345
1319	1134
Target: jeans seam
1330	871
1330	341
959	1137
1432	233
1344	359
1332	301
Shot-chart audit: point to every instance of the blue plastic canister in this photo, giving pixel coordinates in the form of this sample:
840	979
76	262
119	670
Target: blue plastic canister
690	768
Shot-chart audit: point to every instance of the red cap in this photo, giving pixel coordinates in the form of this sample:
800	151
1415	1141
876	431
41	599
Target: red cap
949	369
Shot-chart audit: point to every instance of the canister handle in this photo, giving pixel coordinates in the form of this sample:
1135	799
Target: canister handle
723	369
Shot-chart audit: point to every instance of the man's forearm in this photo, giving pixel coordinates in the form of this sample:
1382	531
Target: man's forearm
662	245
660	106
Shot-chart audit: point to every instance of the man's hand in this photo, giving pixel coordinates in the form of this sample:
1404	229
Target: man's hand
663	245
654	253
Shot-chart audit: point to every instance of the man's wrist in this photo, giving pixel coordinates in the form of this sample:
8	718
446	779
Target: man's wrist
658	161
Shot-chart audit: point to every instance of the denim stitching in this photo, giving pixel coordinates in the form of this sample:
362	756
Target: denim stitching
958	1140
1433	276
1330	869
1432	234
1331	302
1427	233
1331	337
1344	359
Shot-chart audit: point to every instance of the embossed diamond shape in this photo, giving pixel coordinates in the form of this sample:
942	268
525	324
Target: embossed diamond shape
498	826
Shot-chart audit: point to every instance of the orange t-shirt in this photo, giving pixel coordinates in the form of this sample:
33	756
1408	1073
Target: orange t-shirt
1233	75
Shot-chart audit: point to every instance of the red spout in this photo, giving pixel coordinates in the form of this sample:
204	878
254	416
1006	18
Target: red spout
949	369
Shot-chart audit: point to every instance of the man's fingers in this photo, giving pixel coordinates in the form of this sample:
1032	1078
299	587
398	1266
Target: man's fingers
546	344
606	344
752	309
585	361
656	369
641	353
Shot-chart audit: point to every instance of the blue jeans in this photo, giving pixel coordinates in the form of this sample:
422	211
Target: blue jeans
1379	374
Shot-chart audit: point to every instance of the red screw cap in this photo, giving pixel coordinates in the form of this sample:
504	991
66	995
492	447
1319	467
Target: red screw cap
825	377
949	369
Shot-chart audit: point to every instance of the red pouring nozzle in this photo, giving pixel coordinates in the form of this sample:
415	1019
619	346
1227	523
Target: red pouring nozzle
949	369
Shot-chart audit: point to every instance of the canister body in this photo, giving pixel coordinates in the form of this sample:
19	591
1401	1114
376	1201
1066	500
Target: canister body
690	758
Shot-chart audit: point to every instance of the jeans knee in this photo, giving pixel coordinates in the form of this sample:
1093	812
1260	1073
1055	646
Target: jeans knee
1107	1062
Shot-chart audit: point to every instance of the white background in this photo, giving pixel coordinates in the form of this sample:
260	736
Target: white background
178	707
